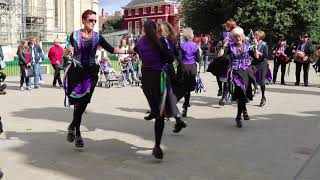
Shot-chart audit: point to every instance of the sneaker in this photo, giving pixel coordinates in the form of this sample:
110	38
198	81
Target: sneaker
36	86
179	126
41	82
21	88
157	153
78	141
238	122
29	88
3	87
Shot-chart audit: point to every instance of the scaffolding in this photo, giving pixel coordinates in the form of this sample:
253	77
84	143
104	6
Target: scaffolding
20	19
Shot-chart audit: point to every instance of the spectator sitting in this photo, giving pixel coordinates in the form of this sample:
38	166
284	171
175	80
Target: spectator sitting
106	67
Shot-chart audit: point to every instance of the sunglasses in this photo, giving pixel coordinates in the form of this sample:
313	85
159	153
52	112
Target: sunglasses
92	20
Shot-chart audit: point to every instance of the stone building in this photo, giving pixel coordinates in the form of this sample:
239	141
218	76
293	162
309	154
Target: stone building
45	19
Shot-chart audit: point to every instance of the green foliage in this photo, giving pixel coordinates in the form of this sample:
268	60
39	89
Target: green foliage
275	17
112	25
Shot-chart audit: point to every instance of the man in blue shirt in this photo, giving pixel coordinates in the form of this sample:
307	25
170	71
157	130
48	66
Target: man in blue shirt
36	54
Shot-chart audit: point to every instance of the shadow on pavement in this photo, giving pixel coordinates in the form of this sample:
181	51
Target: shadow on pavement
208	149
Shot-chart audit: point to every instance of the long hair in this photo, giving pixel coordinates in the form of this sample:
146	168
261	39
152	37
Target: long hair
22	45
150	30
168	31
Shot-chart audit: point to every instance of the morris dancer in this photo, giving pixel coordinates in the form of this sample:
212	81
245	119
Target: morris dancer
82	74
188	56
241	73
169	36
154	54
260	62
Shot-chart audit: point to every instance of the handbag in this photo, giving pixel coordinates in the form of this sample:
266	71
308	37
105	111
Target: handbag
29	72
59	65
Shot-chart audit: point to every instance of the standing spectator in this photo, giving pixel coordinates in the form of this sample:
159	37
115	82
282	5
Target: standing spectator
2	75
24	56
1	54
55	56
36	56
205	47
304	46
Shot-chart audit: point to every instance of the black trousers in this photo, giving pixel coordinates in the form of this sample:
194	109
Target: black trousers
277	64
79	109
23	79
57	75
306	67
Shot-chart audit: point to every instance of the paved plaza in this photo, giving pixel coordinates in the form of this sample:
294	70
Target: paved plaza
277	144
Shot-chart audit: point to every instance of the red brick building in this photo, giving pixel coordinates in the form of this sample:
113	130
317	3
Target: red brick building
137	11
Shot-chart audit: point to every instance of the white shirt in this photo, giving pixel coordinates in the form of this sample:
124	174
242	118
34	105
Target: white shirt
32	53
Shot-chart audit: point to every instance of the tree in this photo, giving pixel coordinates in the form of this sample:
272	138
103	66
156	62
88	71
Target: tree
112	25
288	17
207	15
275	17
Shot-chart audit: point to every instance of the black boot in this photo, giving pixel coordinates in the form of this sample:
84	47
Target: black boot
263	102
151	116
1	174
238	122
157	153
78	141
71	134
179	125
223	99
184	111
246	116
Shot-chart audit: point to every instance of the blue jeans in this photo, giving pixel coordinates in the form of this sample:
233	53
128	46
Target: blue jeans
205	63
36	68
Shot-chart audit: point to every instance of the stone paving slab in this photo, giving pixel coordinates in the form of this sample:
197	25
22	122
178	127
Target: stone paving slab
274	145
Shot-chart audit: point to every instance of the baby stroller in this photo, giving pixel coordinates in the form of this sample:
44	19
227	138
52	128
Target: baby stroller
127	65
108	73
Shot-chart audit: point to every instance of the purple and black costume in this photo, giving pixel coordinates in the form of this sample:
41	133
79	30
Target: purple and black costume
81	80
242	75
187	70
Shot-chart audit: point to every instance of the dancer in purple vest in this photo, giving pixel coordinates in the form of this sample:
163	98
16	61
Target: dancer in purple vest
189	55
241	74
154	54
260	62
82	73
169	35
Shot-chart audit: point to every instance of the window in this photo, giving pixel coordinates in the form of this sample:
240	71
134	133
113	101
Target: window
56	14
137	11
152	9
129	12
159	9
144	10
130	27
137	27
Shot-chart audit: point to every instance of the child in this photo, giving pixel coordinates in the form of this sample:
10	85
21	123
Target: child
106	67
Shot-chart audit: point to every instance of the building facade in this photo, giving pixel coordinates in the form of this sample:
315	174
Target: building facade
45	19
137	11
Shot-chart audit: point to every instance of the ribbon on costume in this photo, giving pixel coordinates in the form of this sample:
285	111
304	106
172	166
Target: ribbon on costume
163	91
